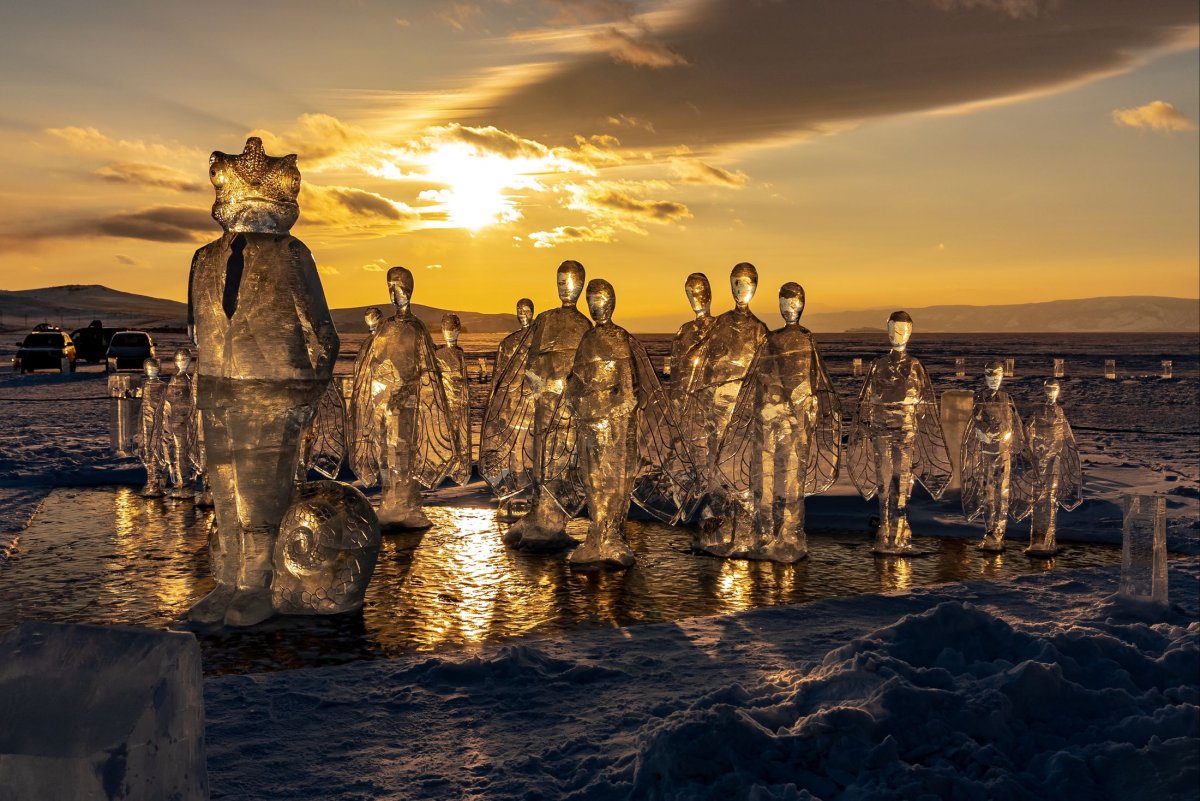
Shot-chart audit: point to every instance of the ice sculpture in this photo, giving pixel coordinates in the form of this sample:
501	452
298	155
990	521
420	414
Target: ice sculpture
960	367
124	412
512	454
364	437
453	364
611	438
151	435
1055	478
897	438
323	444
203	497
516	470
682	364
714	379
326	550
783	443
179	428
1167	368
1110	369
1144	549
1010	368
258	313
856	367
1059	368
993	449
399	394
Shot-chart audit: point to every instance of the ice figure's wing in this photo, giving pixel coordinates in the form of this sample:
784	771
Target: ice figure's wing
860	456
328	433
368	401
458	403
506	434
560	458
931	461
738	445
973	491
1023	471
825	447
1070	476
439	448
667	485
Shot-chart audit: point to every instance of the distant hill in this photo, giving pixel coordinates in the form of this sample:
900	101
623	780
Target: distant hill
75	305
1148	314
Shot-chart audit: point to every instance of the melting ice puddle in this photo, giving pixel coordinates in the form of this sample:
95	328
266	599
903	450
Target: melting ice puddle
107	555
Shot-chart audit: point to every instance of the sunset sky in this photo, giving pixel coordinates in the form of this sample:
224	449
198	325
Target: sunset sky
881	152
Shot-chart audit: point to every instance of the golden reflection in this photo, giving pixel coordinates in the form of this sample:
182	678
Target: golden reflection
142	529
895	573
735	586
991	565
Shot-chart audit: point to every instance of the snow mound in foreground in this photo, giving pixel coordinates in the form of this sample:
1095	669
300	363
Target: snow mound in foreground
950	703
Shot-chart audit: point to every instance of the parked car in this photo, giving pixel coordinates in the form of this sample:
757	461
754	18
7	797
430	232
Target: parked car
127	350
91	343
42	350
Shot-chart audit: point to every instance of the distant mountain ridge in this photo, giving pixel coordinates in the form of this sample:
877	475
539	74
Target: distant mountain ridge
75	305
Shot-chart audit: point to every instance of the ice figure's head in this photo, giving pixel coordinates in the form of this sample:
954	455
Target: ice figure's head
451	328
256	193
570	282
400	286
525	312
993	374
743	281
699	292
601	300
373	317
899	329
791	302
1052	388
183	360
151	367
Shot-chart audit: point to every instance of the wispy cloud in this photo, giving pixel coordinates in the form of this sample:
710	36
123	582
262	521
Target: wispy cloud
148	175
695	171
1157	115
570	234
86	139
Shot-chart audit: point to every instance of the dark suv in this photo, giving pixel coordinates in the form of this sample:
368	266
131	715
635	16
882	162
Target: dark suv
127	350
45	350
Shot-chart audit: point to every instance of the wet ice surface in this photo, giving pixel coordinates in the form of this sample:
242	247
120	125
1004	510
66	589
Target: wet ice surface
106	555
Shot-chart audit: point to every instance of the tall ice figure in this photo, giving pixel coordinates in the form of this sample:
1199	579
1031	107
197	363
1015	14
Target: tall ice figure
257	311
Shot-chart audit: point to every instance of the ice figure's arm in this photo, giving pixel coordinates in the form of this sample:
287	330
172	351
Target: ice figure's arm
191	309
312	312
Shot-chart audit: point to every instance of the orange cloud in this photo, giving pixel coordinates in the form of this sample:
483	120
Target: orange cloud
1155	116
148	175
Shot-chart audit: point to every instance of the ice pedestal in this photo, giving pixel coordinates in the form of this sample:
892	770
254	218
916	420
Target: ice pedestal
1144	549
1110	368
960	367
1059	368
1010	368
956	408
125	412
1168	368
857	367
101	712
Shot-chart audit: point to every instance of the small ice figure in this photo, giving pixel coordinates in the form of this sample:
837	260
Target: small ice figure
452	361
124	412
612	439
960	367
689	335
1059	371
1055	480
364	436
1010	368
511	467
857	367
783	444
152	437
326	551
1110	368
521	410
179	425
993	448
1144	549
400	400
1168	368
897	438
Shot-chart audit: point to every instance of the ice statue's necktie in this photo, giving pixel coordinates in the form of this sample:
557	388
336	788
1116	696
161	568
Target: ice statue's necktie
233	276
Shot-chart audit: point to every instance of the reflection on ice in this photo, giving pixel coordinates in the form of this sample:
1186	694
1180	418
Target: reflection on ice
111	556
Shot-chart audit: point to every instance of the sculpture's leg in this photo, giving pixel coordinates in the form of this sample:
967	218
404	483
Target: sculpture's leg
544	526
400	499
995	513
178	454
885	476
787	540
608	463
225	536
1042	534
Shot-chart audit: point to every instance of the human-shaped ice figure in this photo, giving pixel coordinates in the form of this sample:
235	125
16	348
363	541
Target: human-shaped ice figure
783	443
511	467
719	364
364	437
203	497
520	410
993	446
151	434
897	438
453	364
1055	480
179	428
400	386
684	360
613	432
268	345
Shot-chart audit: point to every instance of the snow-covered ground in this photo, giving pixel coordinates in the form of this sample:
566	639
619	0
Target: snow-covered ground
1033	688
